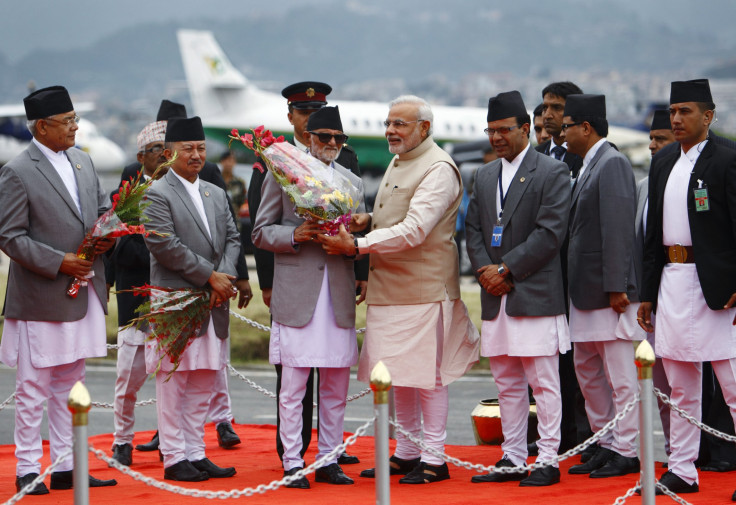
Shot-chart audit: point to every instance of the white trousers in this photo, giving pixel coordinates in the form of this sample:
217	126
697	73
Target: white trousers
33	386
686	380
607	375
513	374
333	391
414	405
182	404
220	410
131	374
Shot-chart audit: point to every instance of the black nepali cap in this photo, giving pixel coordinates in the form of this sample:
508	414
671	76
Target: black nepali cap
181	129
307	94
169	109
326	117
586	106
505	105
697	90
661	120
47	102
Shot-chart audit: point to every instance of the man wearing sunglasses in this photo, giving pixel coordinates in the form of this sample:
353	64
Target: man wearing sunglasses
311	328
303	99
602	284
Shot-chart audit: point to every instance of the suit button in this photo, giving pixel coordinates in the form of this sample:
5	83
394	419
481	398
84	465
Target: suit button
372	268
375	226
387	184
380	206
321	268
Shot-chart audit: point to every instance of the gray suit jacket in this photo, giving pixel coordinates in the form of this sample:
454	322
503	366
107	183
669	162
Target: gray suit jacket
642	193
39	223
187	256
534	226
601	251
299	269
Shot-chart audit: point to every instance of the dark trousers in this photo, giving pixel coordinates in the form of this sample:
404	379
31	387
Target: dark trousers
716	414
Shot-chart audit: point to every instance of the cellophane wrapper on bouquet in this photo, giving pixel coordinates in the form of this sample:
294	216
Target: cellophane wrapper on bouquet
318	192
174	318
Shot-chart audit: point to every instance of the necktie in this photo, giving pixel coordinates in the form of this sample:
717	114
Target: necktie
558	152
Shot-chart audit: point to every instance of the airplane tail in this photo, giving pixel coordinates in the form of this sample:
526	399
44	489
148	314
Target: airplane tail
215	85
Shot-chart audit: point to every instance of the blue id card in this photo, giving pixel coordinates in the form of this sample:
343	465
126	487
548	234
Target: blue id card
496	236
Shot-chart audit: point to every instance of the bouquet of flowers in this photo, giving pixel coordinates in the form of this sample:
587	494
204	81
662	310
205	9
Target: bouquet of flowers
124	218
174	316
318	193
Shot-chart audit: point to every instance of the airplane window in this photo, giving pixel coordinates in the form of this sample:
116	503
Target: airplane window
355	122
472	128
367	123
379	123
460	128
447	127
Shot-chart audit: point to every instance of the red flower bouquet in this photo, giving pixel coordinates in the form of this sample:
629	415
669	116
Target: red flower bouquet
174	316
124	218
317	192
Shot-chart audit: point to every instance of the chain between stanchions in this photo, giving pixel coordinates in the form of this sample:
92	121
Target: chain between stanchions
631	492
23	492
666	400
10	399
672	495
142	403
478	467
234	493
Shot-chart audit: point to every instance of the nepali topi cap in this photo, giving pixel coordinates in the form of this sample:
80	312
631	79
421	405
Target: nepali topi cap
181	129
506	105
169	109
697	90
153	132
585	106
47	102
661	120
326	117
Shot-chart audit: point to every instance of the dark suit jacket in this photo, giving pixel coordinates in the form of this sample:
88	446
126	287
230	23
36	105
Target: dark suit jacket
713	232
534	225
264	259
574	162
602	235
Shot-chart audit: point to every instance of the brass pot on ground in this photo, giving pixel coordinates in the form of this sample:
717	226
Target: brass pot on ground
486	420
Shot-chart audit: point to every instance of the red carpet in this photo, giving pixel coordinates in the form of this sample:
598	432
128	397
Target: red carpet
257	463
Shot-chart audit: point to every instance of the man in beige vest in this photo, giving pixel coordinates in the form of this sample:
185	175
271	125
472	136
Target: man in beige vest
415	317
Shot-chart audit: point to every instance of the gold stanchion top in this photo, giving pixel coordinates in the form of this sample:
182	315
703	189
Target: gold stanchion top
645	359
79	404
380	383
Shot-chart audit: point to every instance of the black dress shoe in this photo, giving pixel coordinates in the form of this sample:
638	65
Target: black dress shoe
211	469
718	466
226	436
185	472
347	459
545	476
500	477
601	456
616	466
21	482
396	466
676	484
332	474
589	452
123	454
300	483
150	446
65	480
424	473
532	449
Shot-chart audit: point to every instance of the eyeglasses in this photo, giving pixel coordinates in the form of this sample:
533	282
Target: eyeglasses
565	126
398	123
154	150
66	121
503	130
340	138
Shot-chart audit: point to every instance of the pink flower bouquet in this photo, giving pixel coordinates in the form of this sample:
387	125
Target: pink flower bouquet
318	193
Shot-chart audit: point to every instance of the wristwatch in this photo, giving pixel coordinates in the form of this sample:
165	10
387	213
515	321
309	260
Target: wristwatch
502	270
355	241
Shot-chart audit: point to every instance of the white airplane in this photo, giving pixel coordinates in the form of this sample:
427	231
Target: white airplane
225	99
107	156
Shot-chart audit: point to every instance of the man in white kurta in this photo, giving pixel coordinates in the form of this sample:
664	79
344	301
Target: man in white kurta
516	222
312	307
689	269
415	316
49	196
196	246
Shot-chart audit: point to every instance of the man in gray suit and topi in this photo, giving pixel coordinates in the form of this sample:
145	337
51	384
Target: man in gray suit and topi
516	222
49	197
197	247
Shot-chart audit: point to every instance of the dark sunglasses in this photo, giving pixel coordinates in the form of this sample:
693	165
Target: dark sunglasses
340	138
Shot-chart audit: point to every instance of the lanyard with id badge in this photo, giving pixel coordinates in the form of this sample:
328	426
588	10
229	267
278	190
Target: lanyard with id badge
498	228
701	197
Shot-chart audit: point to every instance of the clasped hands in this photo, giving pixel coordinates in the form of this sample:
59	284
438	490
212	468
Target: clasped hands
493	282
344	242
